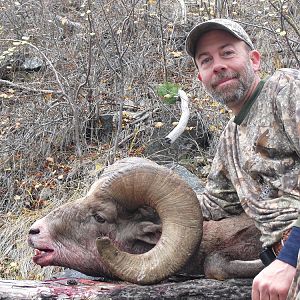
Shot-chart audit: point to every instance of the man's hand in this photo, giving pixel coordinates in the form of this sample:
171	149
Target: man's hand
273	282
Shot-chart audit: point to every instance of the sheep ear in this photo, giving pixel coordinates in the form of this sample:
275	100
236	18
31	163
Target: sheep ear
148	232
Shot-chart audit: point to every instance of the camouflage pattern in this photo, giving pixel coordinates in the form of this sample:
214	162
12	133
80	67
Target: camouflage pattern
256	167
294	291
220	24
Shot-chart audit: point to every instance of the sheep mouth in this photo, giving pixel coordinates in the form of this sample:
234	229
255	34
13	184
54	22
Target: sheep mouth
43	257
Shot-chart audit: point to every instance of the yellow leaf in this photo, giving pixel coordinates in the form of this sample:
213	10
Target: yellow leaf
190	128
159	124
64	20
152	2
48	96
50	159
37	186
215	104
176	53
98	167
213	128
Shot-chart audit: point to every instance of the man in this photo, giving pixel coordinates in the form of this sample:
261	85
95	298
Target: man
257	163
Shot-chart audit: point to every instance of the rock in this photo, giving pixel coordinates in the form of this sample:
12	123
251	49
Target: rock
195	183
69	273
46	193
186	146
32	64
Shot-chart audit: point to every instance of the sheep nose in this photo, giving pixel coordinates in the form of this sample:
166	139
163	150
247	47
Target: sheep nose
34	231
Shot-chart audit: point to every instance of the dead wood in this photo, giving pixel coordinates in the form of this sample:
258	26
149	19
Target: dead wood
73	288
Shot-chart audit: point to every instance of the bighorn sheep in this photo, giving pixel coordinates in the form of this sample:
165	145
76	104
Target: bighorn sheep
142	223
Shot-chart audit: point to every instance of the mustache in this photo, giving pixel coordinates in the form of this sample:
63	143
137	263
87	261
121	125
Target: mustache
224	76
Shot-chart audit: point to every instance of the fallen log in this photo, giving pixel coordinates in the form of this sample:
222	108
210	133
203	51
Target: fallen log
75	288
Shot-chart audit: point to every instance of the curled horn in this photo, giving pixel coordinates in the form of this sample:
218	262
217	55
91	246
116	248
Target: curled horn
142	182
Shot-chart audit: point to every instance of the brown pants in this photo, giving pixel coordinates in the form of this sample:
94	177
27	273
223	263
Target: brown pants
294	292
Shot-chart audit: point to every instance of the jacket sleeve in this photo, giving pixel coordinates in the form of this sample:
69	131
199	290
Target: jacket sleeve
219	199
287	102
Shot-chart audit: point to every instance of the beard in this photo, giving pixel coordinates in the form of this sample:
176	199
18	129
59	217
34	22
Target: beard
234	92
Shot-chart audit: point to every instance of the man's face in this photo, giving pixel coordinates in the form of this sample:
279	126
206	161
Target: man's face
225	67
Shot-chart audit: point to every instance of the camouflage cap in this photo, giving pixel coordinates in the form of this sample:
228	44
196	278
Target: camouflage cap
221	24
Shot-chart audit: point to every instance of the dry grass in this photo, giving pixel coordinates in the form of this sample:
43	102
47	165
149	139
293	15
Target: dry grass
15	254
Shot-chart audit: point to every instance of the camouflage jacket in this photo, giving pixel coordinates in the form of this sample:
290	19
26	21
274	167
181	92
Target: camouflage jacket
256	167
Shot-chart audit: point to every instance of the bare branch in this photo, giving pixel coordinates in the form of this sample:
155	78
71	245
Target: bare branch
26	88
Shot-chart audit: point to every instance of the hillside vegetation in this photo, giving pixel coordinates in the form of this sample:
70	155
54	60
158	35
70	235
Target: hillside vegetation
78	90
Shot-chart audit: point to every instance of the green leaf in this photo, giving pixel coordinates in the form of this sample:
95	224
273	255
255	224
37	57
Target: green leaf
168	91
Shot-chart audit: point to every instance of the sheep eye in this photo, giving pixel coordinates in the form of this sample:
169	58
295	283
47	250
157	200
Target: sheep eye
99	219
